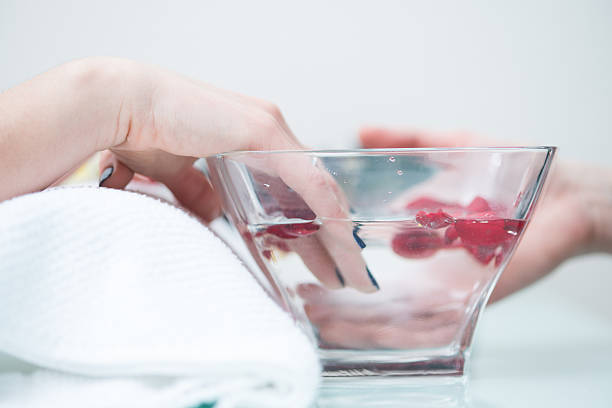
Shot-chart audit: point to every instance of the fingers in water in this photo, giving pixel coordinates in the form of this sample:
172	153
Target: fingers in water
317	260
306	191
354	335
337	237
340	277
357	238
382	325
372	279
324	197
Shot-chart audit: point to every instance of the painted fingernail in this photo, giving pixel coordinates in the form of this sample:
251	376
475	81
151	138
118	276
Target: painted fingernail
372	278
357	238
105	175
340	277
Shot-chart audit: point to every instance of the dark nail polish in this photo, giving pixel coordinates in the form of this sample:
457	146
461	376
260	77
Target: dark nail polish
340	277
105	175
358	239
372	278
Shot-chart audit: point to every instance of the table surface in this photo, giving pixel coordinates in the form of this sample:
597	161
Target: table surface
535	348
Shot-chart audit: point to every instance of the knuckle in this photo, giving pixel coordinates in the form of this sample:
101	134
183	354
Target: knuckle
268	125
271	109
269	131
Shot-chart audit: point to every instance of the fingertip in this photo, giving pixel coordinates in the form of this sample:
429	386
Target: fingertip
368	136
106	173
372	279
378	138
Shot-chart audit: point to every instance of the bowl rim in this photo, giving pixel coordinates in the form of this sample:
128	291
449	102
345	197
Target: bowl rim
386	151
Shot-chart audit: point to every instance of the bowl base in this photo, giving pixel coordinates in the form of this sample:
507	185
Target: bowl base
356	363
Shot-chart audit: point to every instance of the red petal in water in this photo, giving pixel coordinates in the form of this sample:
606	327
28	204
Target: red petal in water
482	253
434	220
482	237
499	258
478	205
514	227
416	243
246	235
292	231
429	204
450	235
279	231
303	213
482	232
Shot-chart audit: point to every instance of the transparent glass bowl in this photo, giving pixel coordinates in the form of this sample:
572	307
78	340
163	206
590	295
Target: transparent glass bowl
385	257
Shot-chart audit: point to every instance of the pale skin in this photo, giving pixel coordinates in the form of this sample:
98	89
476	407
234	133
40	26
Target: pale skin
155	123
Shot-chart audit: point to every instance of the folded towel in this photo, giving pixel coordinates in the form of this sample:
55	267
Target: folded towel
125	301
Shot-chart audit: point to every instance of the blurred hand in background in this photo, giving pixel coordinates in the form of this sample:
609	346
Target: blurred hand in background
573	217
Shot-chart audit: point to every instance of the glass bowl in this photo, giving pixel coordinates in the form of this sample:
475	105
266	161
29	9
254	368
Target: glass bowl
386	258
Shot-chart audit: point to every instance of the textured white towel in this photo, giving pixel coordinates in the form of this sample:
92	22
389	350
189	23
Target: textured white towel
125	301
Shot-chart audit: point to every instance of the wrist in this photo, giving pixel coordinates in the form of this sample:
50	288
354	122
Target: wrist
601	214
590	187
110	83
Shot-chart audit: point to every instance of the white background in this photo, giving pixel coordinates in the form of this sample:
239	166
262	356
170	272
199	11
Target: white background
533	71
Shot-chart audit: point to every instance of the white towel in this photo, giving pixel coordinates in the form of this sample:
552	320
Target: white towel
125	301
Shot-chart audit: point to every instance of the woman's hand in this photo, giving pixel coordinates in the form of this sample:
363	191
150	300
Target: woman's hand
153	121
156	123
166	121
574	215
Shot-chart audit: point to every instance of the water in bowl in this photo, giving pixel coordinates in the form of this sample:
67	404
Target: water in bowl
431	269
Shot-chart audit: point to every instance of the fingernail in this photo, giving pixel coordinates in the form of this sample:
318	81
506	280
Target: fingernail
357	238
105	175
340	277
372	278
